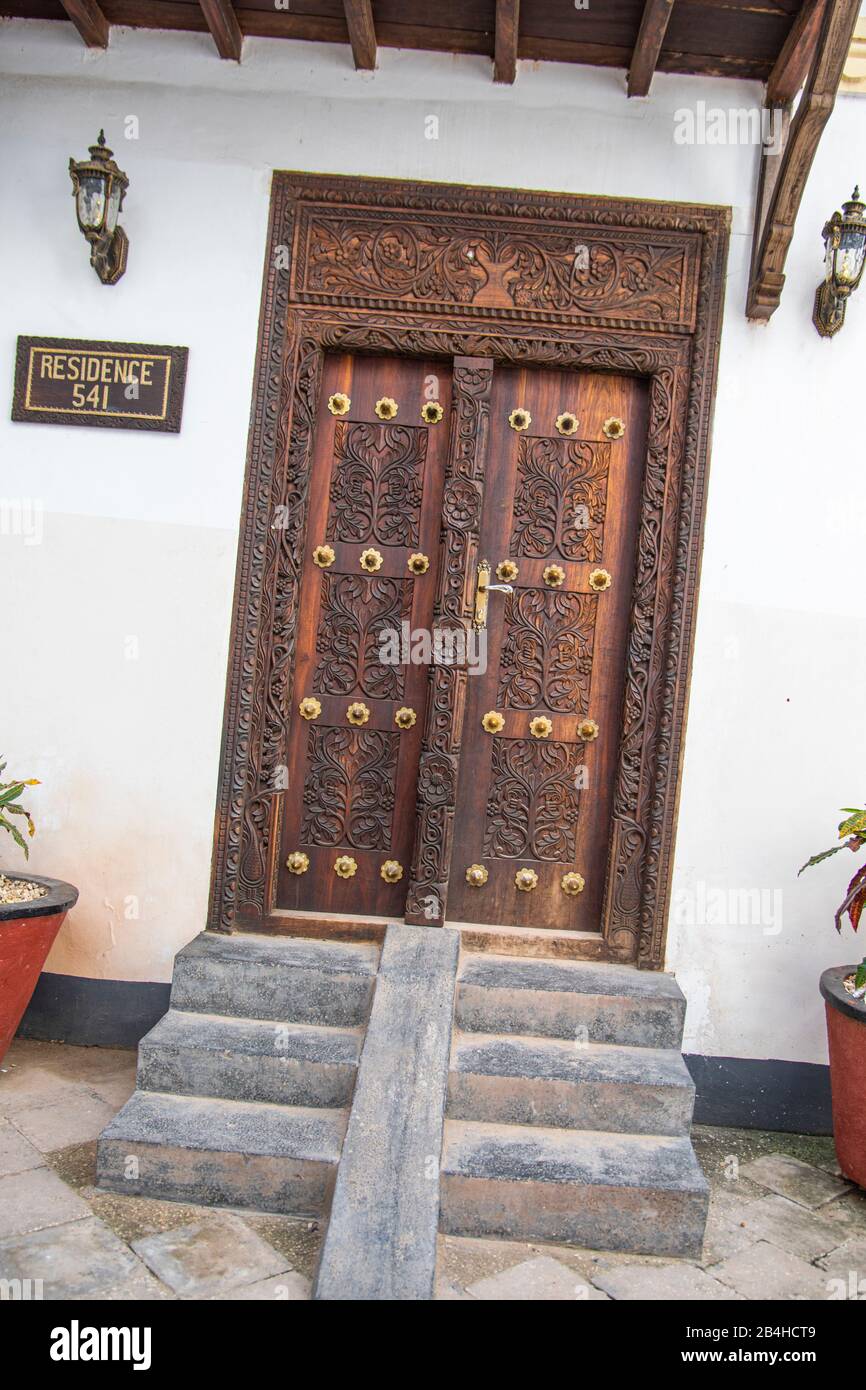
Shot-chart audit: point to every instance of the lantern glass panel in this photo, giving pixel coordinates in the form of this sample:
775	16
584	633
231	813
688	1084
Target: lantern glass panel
849	257
113	206
91	201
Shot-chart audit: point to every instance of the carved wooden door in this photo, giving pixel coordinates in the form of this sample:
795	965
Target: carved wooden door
542	724
368	583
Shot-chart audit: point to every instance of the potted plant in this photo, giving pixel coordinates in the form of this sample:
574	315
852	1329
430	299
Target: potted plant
31	912
844	991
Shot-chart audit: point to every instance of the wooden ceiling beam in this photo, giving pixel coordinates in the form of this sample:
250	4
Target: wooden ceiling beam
648	46
362	32
505	45
795	59
89	20
223	24
773	235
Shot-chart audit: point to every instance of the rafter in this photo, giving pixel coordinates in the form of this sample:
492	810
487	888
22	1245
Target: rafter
362	32
648	46
223	24
505	49
773	236
792	65
89	20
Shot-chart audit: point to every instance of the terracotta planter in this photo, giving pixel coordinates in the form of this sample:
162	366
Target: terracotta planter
27	932
846	1035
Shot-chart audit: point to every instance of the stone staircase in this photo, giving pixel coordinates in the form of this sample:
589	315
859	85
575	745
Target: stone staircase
569	1107
567	1111
244	1087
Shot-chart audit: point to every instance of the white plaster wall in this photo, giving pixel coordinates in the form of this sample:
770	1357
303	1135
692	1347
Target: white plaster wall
139	534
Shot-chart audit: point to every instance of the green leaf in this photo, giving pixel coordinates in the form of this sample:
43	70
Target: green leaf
12	793
817	858
860	975
854	825
16	836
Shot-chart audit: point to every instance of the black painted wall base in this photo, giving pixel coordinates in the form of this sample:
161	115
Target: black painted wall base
738	1092
93	1013
750	1093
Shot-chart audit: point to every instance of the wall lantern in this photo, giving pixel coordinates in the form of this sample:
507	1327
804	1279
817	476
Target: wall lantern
98	188
845	252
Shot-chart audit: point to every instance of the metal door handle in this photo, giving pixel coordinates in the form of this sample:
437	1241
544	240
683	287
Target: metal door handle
482	588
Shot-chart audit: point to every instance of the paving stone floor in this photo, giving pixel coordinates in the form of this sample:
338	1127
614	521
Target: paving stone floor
783	1224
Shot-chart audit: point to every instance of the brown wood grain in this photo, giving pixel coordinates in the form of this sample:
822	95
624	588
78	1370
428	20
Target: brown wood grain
223	24
507	29
816	105
365	477
539	642
730	38
362	32
89	20
791	68
648	46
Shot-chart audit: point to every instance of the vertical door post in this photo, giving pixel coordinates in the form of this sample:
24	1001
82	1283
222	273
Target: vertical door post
440	752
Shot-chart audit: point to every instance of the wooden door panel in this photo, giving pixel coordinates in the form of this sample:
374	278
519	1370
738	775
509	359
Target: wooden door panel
375	485
553	651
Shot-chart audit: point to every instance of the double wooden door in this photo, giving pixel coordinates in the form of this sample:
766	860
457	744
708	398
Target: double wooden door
541	711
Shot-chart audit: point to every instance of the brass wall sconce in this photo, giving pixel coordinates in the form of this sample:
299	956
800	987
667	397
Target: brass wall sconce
98	186
844	255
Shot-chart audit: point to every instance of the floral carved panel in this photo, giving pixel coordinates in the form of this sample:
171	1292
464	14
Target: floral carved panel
533	802
356	612
560	498
546	658
479	263
376	485
349	788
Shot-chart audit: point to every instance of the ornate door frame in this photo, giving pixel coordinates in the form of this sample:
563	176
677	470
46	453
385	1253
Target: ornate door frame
379	266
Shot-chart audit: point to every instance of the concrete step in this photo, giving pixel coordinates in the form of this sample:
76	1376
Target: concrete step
501	1079
193	1054
640	1193
288	979
223	1153
580	1000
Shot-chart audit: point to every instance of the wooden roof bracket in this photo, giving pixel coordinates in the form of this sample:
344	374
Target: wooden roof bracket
784	172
